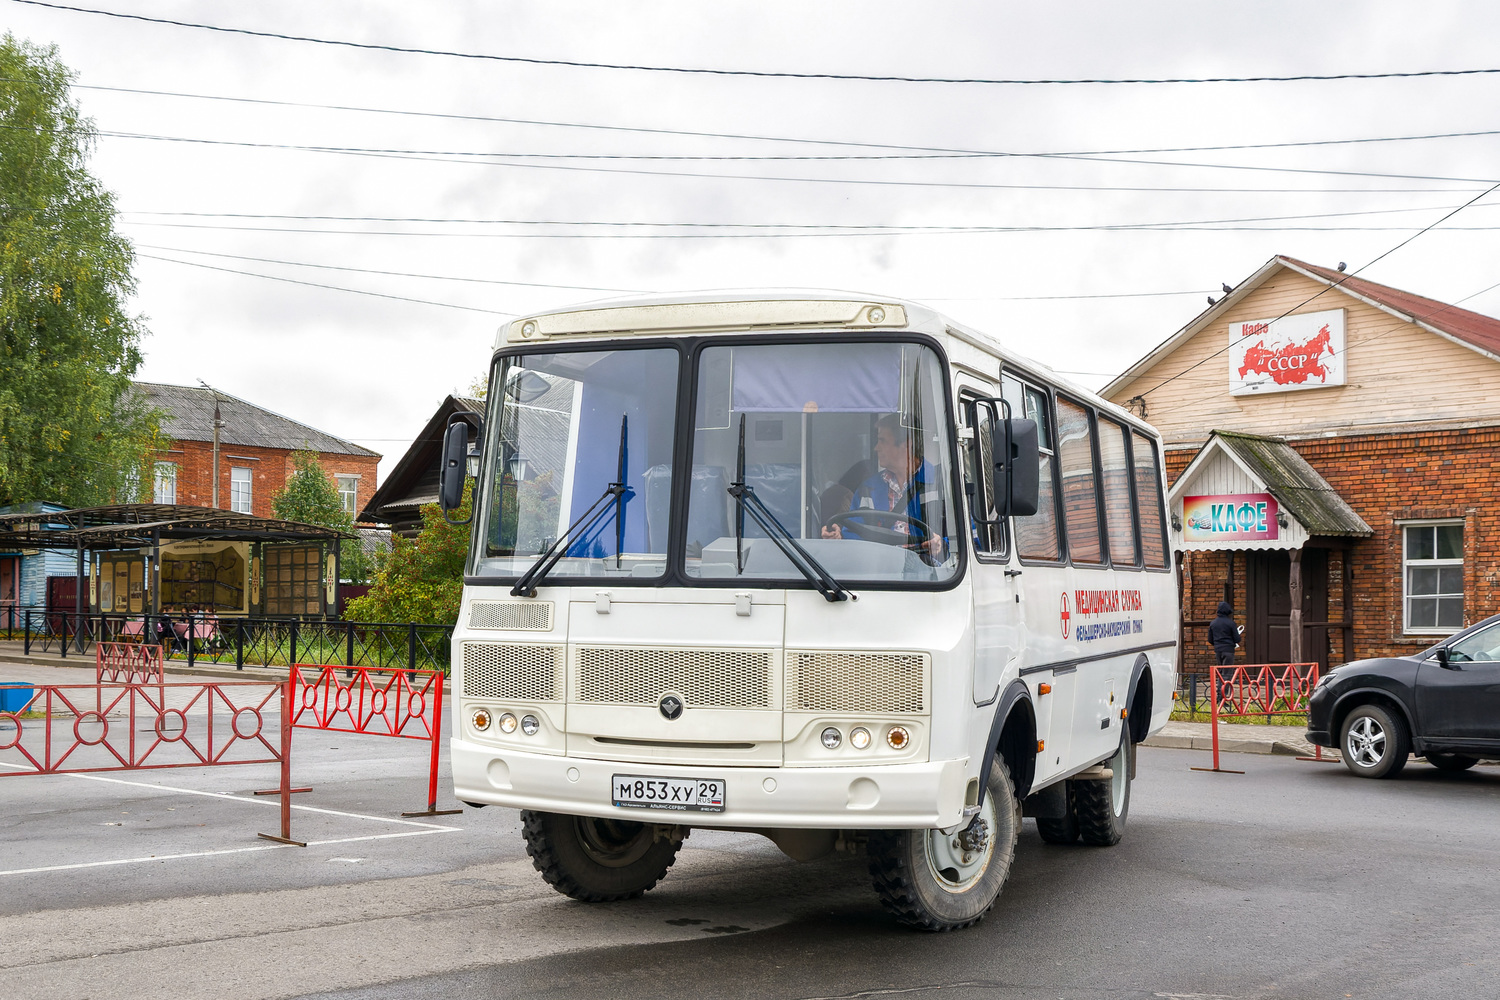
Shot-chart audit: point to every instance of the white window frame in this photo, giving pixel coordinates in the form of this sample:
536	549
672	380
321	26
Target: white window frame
164	473
242	492
348	497
1406	564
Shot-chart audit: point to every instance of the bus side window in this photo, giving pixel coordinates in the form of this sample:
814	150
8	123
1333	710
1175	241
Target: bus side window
1148	501
1114	464
1037	536
1080	490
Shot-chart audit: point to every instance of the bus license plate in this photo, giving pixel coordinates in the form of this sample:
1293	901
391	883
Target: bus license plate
678	794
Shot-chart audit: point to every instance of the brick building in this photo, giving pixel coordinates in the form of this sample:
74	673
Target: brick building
255	453
1333	450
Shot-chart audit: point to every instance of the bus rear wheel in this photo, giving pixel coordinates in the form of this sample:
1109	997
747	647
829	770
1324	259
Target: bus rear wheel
1103	805
598	860
941	882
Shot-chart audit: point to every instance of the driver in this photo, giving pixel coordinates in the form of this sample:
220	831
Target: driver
898	483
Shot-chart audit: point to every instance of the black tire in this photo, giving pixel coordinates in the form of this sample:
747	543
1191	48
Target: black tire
1102	807
1452	761
1374	742
1064	830
904	863
597	860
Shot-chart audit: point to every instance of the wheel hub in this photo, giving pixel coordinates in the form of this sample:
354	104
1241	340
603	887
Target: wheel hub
975	837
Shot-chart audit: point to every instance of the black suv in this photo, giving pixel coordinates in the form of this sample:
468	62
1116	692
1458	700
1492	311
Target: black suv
1442	703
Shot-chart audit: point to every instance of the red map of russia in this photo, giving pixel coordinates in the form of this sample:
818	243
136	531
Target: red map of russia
1294	363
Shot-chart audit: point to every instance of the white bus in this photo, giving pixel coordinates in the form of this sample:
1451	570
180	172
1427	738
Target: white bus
829	569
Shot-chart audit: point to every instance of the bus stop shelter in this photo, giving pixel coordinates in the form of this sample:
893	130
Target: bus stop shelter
141	559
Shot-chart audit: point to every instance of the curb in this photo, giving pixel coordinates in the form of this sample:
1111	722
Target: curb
1226	745
170	667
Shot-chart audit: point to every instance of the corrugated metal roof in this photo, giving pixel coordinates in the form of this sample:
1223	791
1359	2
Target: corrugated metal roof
189	416
1296	485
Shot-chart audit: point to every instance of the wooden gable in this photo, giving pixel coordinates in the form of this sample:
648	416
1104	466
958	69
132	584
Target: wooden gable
1398	375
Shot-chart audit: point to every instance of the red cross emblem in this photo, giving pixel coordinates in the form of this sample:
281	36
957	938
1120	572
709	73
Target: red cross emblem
1065	614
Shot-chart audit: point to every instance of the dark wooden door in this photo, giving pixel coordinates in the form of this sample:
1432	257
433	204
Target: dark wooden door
1268	607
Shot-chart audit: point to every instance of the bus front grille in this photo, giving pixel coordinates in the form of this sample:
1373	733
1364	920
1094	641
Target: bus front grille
829	681
704	678
518	615
514	672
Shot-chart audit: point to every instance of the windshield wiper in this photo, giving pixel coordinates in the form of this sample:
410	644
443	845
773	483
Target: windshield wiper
747	501
616	491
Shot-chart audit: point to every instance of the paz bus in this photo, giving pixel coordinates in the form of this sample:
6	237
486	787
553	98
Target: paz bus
830	569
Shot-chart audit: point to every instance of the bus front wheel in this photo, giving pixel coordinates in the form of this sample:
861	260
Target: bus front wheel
941	882
598	860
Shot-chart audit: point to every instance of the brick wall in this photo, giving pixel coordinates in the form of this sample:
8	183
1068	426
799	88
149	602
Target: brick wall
1386	478
269	470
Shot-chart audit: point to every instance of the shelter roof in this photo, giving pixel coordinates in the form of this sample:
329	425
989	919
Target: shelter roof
1295	484
137	524
189	416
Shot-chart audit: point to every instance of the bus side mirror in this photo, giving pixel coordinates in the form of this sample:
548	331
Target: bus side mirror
1018	468
455	467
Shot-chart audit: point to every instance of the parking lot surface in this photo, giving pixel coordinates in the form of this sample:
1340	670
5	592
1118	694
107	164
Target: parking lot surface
1291	880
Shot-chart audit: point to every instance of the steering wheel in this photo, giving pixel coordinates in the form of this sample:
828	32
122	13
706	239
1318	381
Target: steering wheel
855	521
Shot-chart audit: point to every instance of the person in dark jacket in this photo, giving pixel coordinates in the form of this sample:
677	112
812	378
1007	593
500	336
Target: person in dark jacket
1224	636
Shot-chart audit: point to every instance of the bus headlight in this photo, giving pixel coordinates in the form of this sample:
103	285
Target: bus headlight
897	738
859	738
529	725
832	738
507	723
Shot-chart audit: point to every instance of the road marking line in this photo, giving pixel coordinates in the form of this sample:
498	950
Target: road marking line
267	801
231	850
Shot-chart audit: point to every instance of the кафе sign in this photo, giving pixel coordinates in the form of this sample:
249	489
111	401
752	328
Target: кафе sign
1230	517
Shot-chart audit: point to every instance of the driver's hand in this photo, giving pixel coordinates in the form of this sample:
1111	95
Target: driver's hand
833	532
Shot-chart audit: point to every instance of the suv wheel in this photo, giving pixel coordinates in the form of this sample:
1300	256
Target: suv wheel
1374	742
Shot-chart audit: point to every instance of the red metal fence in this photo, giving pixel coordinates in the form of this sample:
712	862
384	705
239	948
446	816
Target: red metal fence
127	663
1262	689
371	701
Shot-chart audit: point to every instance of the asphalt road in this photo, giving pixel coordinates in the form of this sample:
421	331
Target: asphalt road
1292	880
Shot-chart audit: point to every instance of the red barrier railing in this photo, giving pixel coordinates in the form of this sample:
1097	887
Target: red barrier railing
127	663
371	701
1264	689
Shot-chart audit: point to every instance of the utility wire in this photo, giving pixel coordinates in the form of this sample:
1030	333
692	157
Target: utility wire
768	74
643	291
498	160
335	288
753	137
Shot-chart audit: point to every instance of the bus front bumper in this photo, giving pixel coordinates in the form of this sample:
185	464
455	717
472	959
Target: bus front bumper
894	796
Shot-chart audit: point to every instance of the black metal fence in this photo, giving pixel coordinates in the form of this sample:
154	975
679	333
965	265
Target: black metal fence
241	641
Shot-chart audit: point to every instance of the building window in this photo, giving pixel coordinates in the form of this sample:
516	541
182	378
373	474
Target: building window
166	482
239	490
1432	566
349	493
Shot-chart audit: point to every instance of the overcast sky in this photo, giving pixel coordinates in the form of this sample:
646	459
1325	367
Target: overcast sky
1051	284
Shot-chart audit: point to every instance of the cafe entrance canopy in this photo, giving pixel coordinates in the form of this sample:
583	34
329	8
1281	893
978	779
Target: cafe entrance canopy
150	558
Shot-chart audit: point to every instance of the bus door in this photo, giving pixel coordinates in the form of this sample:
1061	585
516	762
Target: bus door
997	608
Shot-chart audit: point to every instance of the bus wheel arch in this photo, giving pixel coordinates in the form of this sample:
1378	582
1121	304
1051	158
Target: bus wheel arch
1141	701
1012	738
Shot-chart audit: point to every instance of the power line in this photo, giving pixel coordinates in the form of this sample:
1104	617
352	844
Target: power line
765	74
335	288
761	138
796	228
642	291
498	160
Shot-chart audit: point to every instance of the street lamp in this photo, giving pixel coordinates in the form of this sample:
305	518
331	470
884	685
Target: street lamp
218	424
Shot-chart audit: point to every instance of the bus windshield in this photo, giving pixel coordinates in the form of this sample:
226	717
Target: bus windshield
569	426
846	447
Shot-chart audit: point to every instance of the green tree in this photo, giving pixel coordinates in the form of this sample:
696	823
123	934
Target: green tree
310	496
421	579
71	428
